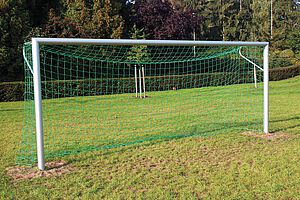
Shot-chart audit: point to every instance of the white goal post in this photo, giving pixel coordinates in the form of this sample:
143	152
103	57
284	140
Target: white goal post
36	42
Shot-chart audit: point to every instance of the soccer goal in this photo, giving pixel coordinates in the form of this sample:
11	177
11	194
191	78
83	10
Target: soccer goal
97	94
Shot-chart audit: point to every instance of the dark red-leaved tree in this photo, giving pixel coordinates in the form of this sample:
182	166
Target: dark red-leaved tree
161	21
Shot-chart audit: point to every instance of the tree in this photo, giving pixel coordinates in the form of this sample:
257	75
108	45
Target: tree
210	27
286	26
105	22
14	26
244	21
228	18
161	21
260	27
138	53
96	19
38	10
293	41
59	27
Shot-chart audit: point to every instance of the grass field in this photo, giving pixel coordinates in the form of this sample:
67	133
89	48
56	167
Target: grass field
78	124
228	165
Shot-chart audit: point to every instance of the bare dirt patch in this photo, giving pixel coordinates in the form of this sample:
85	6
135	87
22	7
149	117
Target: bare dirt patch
20	173
269	136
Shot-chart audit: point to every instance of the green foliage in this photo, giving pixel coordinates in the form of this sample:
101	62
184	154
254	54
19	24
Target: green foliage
293	40
138	53
12	91
277	62
283	58
220	20
295	62
104	23
76	10
14	26
286	26
95	19
278	74
244	20
288	53
61	27
260	26
209	11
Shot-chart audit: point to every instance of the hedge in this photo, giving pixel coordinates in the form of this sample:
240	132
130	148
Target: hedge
71	88
278	74
14	91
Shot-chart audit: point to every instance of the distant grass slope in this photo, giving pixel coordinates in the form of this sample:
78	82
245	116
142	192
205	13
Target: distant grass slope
223	166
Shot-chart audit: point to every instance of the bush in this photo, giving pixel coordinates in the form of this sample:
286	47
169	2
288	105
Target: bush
284	73
280	62
72	88
285	58
295	61
288	53
14	91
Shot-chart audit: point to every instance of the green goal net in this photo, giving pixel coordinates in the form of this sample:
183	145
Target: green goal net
97	97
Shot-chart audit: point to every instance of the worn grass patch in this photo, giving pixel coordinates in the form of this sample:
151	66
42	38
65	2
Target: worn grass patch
269	136
52	169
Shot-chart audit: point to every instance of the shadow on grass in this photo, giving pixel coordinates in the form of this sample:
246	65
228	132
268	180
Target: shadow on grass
122	146
149	141
286	120
286	128
11	110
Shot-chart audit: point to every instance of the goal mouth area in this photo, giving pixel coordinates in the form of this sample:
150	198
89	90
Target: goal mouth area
79	92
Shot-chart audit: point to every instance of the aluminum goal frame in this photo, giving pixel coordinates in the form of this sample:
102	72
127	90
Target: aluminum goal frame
78	41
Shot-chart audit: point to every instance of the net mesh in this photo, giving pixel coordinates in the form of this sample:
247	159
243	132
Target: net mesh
99	97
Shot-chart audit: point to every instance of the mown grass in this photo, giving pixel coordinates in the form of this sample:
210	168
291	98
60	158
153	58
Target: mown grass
223	166
103	122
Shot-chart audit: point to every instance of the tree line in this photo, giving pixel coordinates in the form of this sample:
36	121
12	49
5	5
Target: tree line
235	20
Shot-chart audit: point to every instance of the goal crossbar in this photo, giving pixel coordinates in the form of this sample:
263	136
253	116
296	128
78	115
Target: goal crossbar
77	41
119	42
